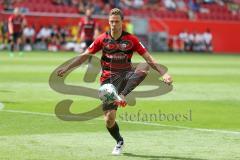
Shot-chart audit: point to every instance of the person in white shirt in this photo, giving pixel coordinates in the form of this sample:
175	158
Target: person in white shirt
183	36
29	34
207	36
44	33
170	4
198	42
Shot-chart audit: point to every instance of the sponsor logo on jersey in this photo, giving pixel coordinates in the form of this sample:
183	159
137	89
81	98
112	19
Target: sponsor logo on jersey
125	45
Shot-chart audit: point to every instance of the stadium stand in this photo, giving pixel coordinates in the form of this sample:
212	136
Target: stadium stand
170	9
169	16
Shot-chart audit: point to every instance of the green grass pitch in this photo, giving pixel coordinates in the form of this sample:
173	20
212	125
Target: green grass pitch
206	86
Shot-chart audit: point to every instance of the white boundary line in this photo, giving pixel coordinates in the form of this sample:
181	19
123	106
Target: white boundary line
131	122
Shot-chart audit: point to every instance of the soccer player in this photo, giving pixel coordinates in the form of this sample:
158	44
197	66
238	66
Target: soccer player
117	49
16	23
88	29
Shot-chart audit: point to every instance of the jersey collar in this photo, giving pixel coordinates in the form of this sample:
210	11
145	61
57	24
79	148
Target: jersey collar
122	34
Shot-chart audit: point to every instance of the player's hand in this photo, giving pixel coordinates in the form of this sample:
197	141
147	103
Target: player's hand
62	71
167	79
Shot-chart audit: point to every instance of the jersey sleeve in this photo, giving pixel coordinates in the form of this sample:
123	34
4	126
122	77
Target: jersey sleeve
96	45
138	46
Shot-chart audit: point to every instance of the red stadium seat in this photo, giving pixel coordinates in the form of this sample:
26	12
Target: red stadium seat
217	12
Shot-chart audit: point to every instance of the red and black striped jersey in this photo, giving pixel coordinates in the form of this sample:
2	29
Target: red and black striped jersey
116	54
17	22
87	28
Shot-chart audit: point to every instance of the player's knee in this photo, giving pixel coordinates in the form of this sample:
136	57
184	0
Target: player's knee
142	69
109	120
110	123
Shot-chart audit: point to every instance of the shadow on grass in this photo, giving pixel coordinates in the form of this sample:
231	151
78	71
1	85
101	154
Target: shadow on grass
159	157
9	102
6	91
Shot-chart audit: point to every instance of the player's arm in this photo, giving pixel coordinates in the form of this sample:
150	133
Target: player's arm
24	23
10	26
92	49
80	31
75	63
151	61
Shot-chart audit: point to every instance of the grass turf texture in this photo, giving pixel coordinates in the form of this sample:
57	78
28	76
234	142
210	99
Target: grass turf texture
205	84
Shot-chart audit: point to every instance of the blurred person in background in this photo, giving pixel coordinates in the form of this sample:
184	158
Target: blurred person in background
28	37
183	36
43	37
170	4
16	24
198	45
4	31
88	29
207	37
8	5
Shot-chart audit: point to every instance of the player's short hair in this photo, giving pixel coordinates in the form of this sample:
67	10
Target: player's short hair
116	11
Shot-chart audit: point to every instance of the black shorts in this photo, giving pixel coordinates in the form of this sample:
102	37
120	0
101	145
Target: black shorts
16	36
119	80
88	43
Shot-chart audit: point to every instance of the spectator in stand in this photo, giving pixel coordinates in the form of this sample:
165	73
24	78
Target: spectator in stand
28	37
8	5
81	7
153	4
137	4
234	8
170	5
194	5
209	1
190	41
198	43
207	36
44	34
4	31
106	9
66	2
184	41
125	4
96	5
181	5
43	37
116	3
57	2
54	42
64	33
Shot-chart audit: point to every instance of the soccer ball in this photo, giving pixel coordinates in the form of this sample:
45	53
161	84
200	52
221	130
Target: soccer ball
108	93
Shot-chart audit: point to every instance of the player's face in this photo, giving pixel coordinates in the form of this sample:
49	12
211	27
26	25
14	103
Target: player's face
115	23
16	12
88	13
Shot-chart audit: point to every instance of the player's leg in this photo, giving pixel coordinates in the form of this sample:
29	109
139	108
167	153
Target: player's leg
88	43
134	78
12	41
111	124
20	44
113	128
110	114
